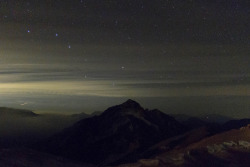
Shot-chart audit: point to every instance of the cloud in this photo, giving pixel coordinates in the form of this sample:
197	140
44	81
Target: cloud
124	88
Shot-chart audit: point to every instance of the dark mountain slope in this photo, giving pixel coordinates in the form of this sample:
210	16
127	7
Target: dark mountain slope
230	148
23	157
117	135
235	124
216	118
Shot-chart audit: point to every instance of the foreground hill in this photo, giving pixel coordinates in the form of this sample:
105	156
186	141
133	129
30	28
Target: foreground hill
235	124
230	148
116	136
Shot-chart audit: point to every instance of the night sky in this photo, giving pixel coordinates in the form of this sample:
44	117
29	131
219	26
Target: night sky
70	56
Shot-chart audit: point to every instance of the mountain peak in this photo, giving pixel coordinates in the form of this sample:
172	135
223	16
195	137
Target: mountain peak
128	107
131	103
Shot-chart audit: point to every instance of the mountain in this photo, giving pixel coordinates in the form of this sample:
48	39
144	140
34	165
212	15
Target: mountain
179	141
235	124
84	115
19	127
181	117
230	148
4	111
80	115
116	136
96	113
209	120
123	134
215	118
193	122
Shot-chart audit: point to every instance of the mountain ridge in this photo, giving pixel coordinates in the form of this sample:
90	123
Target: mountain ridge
17	112
119	133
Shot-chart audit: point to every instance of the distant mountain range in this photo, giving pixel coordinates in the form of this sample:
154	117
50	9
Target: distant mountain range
4	111
123	134
19	127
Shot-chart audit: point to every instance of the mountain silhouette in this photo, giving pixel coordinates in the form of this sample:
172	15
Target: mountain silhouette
116	136
5	111
19	127
235	124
